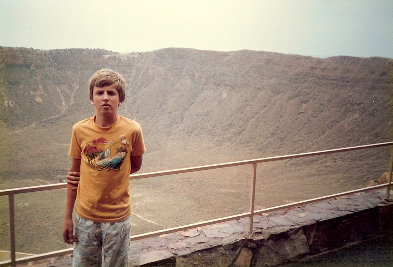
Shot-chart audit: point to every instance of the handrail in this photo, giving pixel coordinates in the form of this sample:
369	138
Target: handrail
31	189
260	160
201	168
250	214
256	212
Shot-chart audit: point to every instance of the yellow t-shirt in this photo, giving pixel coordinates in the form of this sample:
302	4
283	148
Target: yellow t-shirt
103	190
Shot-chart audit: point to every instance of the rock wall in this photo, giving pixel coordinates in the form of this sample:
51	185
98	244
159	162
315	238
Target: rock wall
279	237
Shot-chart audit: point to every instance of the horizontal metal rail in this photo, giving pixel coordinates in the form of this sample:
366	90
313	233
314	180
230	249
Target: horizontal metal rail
201	224
11	192
38	257
256	212
31	189
201	168
260	160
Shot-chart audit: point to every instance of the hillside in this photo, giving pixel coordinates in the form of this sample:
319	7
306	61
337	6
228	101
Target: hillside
195	107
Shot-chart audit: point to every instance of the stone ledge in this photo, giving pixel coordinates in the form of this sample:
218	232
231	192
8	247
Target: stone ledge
279	237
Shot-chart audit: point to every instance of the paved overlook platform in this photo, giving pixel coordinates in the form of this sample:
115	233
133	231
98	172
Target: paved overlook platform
280	237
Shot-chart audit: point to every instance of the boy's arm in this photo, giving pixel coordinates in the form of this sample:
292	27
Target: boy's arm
136	163
68	228
73	179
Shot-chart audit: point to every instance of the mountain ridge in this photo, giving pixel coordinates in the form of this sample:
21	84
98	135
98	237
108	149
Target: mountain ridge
195	106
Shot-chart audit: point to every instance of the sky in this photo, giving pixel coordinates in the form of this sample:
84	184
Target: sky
320	28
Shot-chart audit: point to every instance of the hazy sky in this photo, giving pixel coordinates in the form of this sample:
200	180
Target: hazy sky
322	28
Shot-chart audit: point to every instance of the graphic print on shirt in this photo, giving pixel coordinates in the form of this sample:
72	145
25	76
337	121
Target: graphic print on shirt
104	154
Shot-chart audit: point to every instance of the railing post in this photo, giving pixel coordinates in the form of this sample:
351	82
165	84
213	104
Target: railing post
252	201
390	178
12	228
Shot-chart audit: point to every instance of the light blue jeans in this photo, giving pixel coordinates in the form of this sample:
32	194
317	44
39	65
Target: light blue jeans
101	244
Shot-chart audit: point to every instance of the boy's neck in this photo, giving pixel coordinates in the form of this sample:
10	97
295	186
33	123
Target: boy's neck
105	121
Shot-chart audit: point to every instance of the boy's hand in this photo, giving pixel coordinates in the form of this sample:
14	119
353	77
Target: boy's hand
73	179
68	231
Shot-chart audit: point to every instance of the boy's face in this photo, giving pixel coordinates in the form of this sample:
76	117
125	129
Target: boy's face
106	99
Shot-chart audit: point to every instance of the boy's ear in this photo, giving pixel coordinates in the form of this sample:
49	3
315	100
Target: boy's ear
91	101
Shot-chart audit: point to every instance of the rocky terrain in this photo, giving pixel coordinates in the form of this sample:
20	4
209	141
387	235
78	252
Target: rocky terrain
197	107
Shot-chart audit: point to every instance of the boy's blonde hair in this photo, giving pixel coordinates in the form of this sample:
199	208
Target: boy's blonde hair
108	77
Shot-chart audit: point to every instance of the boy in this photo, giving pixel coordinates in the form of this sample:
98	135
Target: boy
105	149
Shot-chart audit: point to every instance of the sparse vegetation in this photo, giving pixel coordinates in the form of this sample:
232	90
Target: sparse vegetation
195	107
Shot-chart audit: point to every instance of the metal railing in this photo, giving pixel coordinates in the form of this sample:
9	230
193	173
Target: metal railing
12	192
